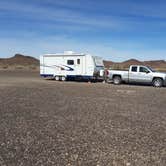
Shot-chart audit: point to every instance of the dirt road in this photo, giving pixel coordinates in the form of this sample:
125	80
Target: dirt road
44	122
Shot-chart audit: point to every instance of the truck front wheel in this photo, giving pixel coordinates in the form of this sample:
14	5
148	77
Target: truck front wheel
157	82
117	80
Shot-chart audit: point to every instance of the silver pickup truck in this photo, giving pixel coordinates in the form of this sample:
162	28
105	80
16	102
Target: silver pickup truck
137	74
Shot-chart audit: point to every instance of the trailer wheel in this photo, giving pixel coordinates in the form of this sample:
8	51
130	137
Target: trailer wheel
63	78
157	82
57	78
117	80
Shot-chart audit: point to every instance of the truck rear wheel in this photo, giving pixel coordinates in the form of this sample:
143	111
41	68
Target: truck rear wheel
157	82
117	80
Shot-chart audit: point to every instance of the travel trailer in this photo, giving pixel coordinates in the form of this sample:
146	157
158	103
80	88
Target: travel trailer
69	65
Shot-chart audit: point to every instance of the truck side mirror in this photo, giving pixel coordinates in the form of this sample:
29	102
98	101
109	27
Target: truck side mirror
147	72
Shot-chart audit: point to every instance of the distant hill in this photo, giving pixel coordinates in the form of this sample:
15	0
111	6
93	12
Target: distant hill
131	61
19	61
156	64
107	64
22	62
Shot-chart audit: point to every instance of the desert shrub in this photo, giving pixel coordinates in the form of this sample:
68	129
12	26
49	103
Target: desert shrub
118	67
19	67
161	69
32	67
5	67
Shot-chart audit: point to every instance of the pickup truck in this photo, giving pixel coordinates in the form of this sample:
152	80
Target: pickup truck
137	74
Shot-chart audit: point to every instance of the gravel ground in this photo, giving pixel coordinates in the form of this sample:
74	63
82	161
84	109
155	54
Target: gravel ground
44	122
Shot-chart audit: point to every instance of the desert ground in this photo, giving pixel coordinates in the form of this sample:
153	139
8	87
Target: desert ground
44	122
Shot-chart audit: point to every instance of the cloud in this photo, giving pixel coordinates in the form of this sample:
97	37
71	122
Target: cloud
125	8
37	46
113	30
112	15
56	14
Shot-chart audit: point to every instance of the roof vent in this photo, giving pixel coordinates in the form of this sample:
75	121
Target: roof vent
68	52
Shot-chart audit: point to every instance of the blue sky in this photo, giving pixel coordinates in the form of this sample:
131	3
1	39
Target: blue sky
114	29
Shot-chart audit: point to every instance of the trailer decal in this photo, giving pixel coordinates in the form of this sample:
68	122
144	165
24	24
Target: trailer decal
69	68
62	68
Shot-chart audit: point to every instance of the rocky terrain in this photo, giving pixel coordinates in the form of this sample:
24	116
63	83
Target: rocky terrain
49	123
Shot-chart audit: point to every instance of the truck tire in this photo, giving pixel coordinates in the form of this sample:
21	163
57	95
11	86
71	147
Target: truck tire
117	80
157	82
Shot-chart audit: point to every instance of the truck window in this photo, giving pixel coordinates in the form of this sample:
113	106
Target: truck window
70	62
78	61
134	69
143	70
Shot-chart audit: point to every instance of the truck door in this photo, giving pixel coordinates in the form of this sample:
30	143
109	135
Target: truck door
133	74
144	75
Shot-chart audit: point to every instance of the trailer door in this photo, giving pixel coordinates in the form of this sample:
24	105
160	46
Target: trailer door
79	65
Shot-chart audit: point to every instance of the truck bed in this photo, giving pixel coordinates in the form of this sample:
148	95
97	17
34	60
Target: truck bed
123	73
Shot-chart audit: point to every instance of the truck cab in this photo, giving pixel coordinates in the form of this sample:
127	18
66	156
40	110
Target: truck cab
138	74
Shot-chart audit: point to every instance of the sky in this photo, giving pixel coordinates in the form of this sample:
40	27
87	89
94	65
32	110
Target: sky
116	30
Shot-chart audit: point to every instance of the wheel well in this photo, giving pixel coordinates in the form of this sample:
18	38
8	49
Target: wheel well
157	77
116	75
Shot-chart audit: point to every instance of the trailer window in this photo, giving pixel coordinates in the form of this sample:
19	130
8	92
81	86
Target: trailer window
70	62
134	69
78	61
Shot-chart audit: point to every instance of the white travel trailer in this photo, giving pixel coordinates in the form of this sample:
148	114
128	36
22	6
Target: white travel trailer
69	65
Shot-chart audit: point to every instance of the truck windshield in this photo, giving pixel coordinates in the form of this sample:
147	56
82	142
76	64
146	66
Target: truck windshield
152	70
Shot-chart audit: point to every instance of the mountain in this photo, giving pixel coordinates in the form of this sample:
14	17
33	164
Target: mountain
19	61
156	64
131	61
107	64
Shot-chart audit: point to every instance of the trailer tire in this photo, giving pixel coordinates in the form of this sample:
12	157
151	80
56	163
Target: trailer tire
63	78
57	78
117	80
157	82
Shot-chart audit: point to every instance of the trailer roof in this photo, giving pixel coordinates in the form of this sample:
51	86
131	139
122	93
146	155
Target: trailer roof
62	54
65	53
